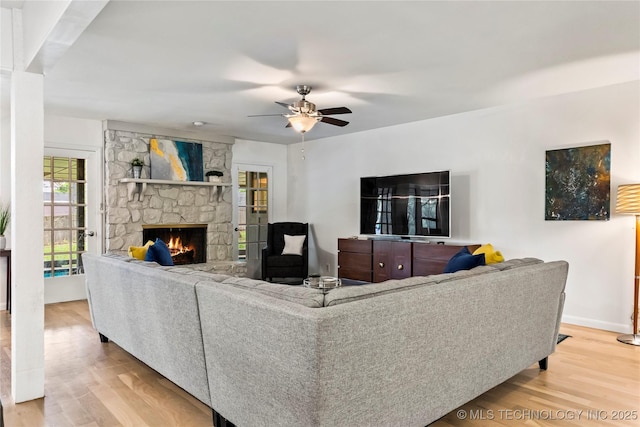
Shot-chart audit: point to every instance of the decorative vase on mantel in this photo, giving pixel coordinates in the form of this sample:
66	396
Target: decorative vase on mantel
136	167
3	242
214	176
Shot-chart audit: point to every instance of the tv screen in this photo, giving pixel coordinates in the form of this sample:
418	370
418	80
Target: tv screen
406	205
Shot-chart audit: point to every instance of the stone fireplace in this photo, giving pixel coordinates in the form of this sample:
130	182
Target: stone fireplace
187	242
167	204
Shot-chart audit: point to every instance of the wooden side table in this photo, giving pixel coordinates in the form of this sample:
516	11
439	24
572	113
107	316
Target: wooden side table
6	253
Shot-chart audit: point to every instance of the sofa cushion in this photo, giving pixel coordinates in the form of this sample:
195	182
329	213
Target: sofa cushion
516	262
293	245
461	274
216	277
347	294
491	256
148	264
118	256
463	260
139	252
308	297
159	252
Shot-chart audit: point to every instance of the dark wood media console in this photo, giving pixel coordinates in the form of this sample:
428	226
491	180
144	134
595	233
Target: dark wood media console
355	259
373	260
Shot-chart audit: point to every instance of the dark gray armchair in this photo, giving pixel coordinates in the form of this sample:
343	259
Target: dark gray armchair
274	263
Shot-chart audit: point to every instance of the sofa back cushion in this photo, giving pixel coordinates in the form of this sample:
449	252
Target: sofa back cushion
308	297
515	263
205	275
347	294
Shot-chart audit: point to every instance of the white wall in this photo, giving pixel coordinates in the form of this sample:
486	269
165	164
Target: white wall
71	132
497	160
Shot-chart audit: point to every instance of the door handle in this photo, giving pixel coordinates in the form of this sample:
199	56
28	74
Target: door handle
90	233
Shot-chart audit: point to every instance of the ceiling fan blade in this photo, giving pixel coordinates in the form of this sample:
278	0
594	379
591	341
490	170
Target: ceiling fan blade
335	122
336	110
288	125
284	104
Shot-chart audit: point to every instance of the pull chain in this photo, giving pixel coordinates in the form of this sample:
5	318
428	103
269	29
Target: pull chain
302	149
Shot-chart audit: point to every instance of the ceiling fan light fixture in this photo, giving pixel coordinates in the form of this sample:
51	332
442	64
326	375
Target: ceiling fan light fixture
302	123
303	115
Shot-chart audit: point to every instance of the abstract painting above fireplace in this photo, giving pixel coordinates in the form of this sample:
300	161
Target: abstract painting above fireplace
187	242
176	160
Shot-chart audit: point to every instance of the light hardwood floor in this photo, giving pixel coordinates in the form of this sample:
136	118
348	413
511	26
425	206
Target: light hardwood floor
591	381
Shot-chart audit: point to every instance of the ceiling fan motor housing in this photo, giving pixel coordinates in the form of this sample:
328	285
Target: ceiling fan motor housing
303	90
304	106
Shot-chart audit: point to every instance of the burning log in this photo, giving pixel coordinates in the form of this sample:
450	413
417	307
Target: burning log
186	257
179	253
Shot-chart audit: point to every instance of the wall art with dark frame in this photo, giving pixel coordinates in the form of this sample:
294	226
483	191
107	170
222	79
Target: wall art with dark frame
577	185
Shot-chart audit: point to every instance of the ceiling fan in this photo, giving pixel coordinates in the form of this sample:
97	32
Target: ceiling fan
303	114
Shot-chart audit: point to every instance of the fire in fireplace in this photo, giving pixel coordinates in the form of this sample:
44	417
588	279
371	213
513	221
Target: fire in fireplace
187	242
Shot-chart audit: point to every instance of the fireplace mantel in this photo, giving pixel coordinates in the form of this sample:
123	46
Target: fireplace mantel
139	185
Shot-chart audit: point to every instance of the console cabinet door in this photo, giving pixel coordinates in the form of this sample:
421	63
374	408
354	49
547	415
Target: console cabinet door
432	259
391	260
402	266
382	260
354	259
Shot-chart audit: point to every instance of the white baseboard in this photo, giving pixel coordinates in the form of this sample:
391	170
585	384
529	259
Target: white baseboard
598	324
57	290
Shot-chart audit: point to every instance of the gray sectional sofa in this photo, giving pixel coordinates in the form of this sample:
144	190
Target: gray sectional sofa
402	352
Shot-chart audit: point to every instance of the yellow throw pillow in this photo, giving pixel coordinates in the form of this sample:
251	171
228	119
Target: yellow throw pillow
139	252
491	256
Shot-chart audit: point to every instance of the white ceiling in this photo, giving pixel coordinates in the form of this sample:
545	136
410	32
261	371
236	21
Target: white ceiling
169	63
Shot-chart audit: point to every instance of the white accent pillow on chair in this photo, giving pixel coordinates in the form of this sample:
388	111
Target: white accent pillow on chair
293	245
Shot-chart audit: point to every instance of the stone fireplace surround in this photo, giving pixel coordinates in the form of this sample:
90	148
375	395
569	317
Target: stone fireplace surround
167	203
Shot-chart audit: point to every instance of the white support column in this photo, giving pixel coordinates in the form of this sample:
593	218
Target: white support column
27	296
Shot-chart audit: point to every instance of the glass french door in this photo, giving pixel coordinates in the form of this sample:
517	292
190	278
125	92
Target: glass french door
252	214
64	195
69	189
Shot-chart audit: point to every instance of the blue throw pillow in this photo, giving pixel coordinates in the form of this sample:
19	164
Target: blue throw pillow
463	260
159	254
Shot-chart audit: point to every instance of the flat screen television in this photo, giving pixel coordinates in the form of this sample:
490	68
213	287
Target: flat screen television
406	205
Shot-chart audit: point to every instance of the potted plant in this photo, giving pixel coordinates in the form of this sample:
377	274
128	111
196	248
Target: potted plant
5	217
214	176
137	165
